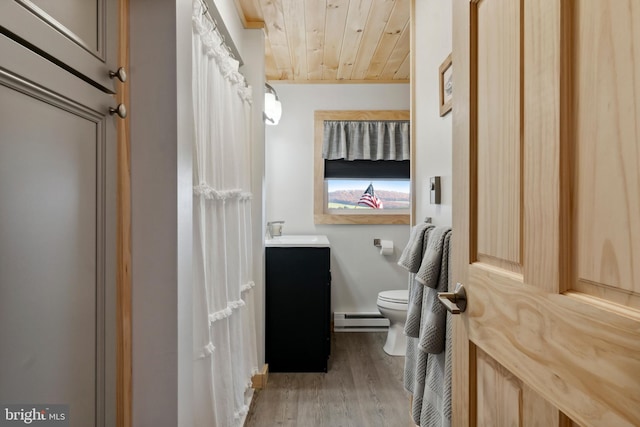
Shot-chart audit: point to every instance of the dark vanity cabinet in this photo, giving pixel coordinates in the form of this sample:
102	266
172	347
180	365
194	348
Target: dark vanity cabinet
298	309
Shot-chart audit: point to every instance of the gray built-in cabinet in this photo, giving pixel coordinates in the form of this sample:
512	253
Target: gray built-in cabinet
80	36
58	206
298	309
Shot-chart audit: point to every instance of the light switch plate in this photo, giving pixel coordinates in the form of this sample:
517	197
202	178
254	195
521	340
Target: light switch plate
434	190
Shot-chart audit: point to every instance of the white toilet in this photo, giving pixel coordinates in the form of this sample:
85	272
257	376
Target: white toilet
393	306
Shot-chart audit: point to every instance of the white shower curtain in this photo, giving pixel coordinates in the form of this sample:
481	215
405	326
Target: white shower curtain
225	348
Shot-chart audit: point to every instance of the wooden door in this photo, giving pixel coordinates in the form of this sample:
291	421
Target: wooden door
546	125
79	35
57	239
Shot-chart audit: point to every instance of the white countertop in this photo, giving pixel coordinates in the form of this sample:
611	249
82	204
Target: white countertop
298	241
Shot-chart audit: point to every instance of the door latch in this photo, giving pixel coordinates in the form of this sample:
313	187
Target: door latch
455	302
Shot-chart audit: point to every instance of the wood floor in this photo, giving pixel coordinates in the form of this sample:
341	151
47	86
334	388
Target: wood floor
363	388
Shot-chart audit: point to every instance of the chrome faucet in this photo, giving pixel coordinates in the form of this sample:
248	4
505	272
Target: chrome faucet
274	229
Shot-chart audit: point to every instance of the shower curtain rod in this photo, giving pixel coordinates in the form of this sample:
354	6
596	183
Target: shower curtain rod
211	12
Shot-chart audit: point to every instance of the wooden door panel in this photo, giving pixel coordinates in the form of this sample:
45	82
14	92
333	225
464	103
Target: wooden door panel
504	400
567	422
57	239
555	343
538	411
499	140
547	171
499	394
546	167
607	216
80	35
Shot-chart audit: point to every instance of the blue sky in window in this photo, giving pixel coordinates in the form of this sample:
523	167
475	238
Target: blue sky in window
400	185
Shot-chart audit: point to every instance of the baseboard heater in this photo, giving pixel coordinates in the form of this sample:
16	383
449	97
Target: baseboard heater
359	322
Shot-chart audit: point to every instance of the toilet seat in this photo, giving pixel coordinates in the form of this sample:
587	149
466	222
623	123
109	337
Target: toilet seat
396	297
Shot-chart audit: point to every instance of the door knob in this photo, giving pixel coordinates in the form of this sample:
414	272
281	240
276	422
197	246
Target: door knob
120	110
119	73
455	302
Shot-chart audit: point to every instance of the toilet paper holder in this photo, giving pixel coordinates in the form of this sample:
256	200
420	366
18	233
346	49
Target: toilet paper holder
378	242
386	246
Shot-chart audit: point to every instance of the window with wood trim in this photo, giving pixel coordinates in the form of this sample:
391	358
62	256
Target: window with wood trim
355	188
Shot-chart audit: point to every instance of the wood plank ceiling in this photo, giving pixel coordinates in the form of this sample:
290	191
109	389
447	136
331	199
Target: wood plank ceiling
332	40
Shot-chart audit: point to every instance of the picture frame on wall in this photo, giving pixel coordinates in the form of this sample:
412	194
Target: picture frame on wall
446	86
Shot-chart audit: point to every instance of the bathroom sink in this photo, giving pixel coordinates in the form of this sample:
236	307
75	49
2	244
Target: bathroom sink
298	241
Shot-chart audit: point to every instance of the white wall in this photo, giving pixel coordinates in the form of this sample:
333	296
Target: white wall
254	72
161	204
433	133
359	272
227	9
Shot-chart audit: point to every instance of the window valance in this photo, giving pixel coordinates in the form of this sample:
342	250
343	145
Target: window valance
366	140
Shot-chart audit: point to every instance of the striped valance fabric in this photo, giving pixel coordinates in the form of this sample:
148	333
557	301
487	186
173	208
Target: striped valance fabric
366	140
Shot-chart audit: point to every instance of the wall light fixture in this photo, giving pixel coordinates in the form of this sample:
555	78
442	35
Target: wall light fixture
272	106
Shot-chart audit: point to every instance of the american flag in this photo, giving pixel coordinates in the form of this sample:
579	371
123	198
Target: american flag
370	199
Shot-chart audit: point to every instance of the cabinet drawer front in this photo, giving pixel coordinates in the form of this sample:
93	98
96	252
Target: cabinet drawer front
79	35
298	298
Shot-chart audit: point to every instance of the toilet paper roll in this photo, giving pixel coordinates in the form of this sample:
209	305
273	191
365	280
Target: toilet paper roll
386	247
